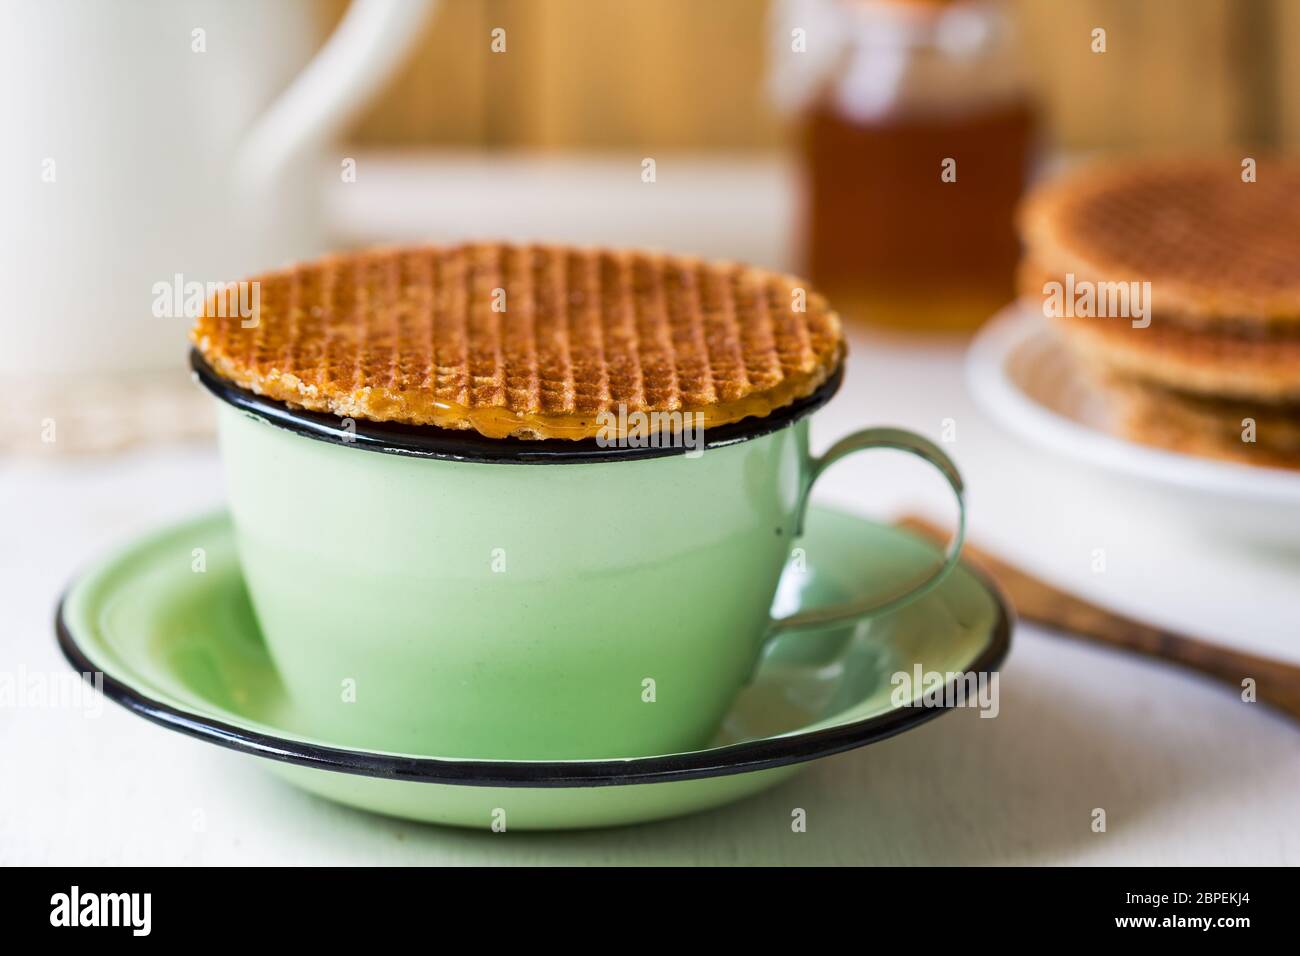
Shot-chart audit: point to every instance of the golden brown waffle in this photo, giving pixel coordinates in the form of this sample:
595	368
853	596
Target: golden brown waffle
1209	363
1215	249
527	341
1225	359
1208	427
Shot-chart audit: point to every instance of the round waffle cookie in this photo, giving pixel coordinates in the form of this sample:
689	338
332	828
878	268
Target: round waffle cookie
1226	364
1215	249
1214	428
528	341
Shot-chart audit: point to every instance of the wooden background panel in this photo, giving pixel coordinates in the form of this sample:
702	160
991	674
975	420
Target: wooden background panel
1288	72
587	74
1167	78
441	94
688	74
620	73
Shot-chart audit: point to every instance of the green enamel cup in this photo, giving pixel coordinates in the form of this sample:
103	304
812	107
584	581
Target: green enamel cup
431	592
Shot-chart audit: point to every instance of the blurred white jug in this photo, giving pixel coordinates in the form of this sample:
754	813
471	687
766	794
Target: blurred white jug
148	139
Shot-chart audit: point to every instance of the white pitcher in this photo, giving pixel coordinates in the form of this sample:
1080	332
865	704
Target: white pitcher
148	139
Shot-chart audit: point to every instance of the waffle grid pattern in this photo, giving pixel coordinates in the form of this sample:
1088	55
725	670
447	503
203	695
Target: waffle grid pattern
1216	250
532	341
1222	257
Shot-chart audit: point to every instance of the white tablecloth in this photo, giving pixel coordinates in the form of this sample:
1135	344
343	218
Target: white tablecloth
1187	773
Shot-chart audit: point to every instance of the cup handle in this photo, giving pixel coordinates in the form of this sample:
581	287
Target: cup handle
369	43
865	440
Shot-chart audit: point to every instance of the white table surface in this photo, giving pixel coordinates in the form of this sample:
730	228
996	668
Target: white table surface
1187	773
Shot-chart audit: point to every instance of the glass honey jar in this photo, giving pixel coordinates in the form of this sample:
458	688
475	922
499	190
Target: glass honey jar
916	132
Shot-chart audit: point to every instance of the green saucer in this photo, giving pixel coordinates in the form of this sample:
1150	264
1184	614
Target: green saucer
181	648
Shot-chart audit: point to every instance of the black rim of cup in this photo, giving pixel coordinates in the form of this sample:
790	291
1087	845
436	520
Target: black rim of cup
429	441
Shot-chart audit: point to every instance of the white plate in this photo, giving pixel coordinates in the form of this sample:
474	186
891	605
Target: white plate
1025	379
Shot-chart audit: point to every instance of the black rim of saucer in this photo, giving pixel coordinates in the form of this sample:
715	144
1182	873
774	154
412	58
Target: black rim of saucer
429	441
746	757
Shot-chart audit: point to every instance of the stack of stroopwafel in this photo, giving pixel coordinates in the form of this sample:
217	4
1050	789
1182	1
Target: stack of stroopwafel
526	341
1206	358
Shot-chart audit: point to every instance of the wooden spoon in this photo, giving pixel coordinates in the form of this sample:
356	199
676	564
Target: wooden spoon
1276	682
